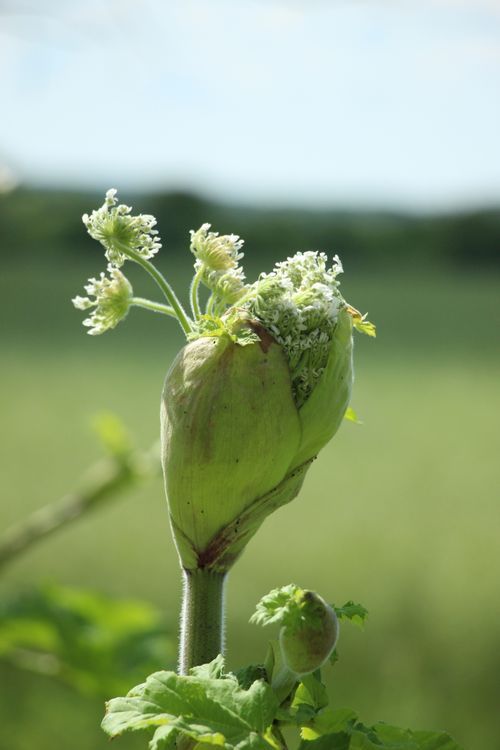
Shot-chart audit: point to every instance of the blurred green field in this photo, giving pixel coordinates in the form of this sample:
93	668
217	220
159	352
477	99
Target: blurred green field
400	513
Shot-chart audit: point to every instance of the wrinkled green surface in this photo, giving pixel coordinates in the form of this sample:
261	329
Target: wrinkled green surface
216	711
229	432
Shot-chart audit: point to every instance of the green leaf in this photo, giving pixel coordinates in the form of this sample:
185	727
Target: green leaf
339	741
276	606
211	671
365	326
351	416
380	736
334	657
165	738
311	691
356	613
394	737
435	741
212	325
329	721
360	322
247	675
214	711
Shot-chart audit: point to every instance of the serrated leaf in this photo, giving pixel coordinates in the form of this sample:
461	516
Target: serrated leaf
356	613
391	736
275	606
247	675
212	325
435	741
380	736
329	721
339	741
165	738
212	711
311	691
256	742
211	671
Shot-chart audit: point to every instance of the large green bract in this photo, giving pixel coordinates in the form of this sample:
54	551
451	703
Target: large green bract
231	432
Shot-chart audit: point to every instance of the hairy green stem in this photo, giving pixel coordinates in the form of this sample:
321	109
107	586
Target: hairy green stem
202	618
210	304
148	304
165	287
193	294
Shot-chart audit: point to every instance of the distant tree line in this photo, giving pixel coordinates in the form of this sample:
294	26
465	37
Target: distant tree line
46	223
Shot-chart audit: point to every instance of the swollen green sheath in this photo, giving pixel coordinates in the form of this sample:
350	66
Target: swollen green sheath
230	432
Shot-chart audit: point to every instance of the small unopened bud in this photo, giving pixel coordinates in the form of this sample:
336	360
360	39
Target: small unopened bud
309	626
307	641
216	252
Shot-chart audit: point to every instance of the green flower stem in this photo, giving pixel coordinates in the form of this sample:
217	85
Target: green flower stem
155	306
283	683
160	280
210	304
193	293
202	619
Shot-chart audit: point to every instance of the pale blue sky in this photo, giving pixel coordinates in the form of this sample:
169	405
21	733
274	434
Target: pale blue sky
373	102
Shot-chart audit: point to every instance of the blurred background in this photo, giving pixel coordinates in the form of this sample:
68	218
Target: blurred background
363	128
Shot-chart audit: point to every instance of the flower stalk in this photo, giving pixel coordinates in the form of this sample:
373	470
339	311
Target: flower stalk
194	294
202	617
158	307
162	283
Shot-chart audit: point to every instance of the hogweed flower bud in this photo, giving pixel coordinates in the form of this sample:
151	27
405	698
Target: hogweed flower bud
307	643
217	266
309	627
111	303
227	286
215	252
261	386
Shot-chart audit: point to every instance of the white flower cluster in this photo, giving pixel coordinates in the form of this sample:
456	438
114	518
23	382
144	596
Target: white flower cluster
218	253
112	299
217	258
118	231
299	303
